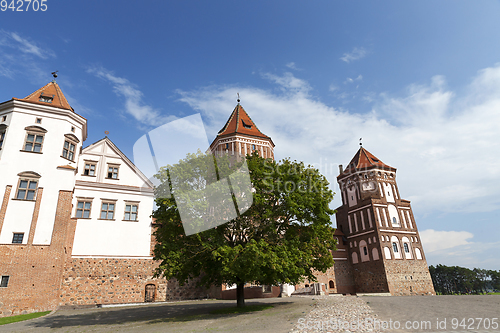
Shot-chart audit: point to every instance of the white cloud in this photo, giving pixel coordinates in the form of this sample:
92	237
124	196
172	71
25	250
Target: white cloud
441	144
292	65
351	80
134	105
356	54
30	47
434	240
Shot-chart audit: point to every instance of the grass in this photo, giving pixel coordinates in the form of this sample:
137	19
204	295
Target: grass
15	319
494	293
248	308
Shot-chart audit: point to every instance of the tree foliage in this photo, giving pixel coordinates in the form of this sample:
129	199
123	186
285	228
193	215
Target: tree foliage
450	280
281	238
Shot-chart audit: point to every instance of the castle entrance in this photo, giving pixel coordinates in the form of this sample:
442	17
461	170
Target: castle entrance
150	293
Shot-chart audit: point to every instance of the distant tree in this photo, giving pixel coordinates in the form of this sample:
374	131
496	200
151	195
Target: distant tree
461	280
282	238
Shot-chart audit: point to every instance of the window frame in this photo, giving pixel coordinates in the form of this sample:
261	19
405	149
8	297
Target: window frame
89	163
4	278
131	204
395	247
83	209
3	134
27	188
36	131
113	166
107	202
71	139
17	241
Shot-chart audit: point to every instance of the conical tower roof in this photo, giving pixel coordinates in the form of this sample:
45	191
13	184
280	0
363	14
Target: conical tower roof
364	160
50	94
240	123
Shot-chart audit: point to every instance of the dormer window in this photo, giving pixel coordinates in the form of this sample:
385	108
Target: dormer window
45	98
246	125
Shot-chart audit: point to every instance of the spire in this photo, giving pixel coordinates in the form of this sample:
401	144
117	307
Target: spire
365	160
241	123
50	94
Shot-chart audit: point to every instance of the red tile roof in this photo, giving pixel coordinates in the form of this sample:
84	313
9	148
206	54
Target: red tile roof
364	160
52	90
240	122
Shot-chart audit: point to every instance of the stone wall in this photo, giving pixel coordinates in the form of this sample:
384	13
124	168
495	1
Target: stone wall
409	277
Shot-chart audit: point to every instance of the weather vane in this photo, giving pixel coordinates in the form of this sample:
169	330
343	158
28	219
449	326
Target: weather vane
360	143
106	132
54	74
238	97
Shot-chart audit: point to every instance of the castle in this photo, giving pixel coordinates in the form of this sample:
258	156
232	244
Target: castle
75	225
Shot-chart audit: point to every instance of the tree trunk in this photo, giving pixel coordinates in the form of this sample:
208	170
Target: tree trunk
240	295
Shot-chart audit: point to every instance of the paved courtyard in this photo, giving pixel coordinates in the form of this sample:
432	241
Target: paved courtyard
295	314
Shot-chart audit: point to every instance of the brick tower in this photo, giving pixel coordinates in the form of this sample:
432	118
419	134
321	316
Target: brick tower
382	237
240	136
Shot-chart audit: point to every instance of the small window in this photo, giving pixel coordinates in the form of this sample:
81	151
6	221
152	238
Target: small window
34	142
394	220
5	281
131	212
246	125
4	118
253	147
2	138
83	208
107	211
395	247
46	99
17	238
365	251
113	171
407	249
89	169
69	150
26	189
72	129
331	284
38	120
227	145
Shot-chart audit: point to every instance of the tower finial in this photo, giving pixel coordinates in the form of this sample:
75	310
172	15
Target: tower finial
360	142
238	97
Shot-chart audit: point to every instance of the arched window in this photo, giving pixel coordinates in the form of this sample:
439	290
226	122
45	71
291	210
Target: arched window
418	254
354	258
396	247
387	253
331	285
375	254
364	251
407	248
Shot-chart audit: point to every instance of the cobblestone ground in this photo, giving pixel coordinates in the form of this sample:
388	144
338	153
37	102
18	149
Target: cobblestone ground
339	314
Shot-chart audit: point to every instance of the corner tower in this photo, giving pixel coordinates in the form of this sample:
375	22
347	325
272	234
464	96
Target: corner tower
383	240
240	136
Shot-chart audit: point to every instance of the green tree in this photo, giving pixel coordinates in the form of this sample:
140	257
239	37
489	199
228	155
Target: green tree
282	238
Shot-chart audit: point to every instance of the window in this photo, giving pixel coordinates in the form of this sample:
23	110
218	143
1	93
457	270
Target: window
83	209
131	212
227	145
107	210
331	284
4	118
72	128
69	150
395	247
2	137
4	282
246	125
267	289
26	189
17	238
365	251
253	147
34	142
38	120
113	171
45	98
89	169
407	249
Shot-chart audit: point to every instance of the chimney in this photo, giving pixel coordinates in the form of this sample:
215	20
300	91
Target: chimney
340	169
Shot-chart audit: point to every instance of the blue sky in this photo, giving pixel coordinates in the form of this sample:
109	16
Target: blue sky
419	81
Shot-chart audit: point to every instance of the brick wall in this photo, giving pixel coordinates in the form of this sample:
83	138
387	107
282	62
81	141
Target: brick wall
409	277
35	270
